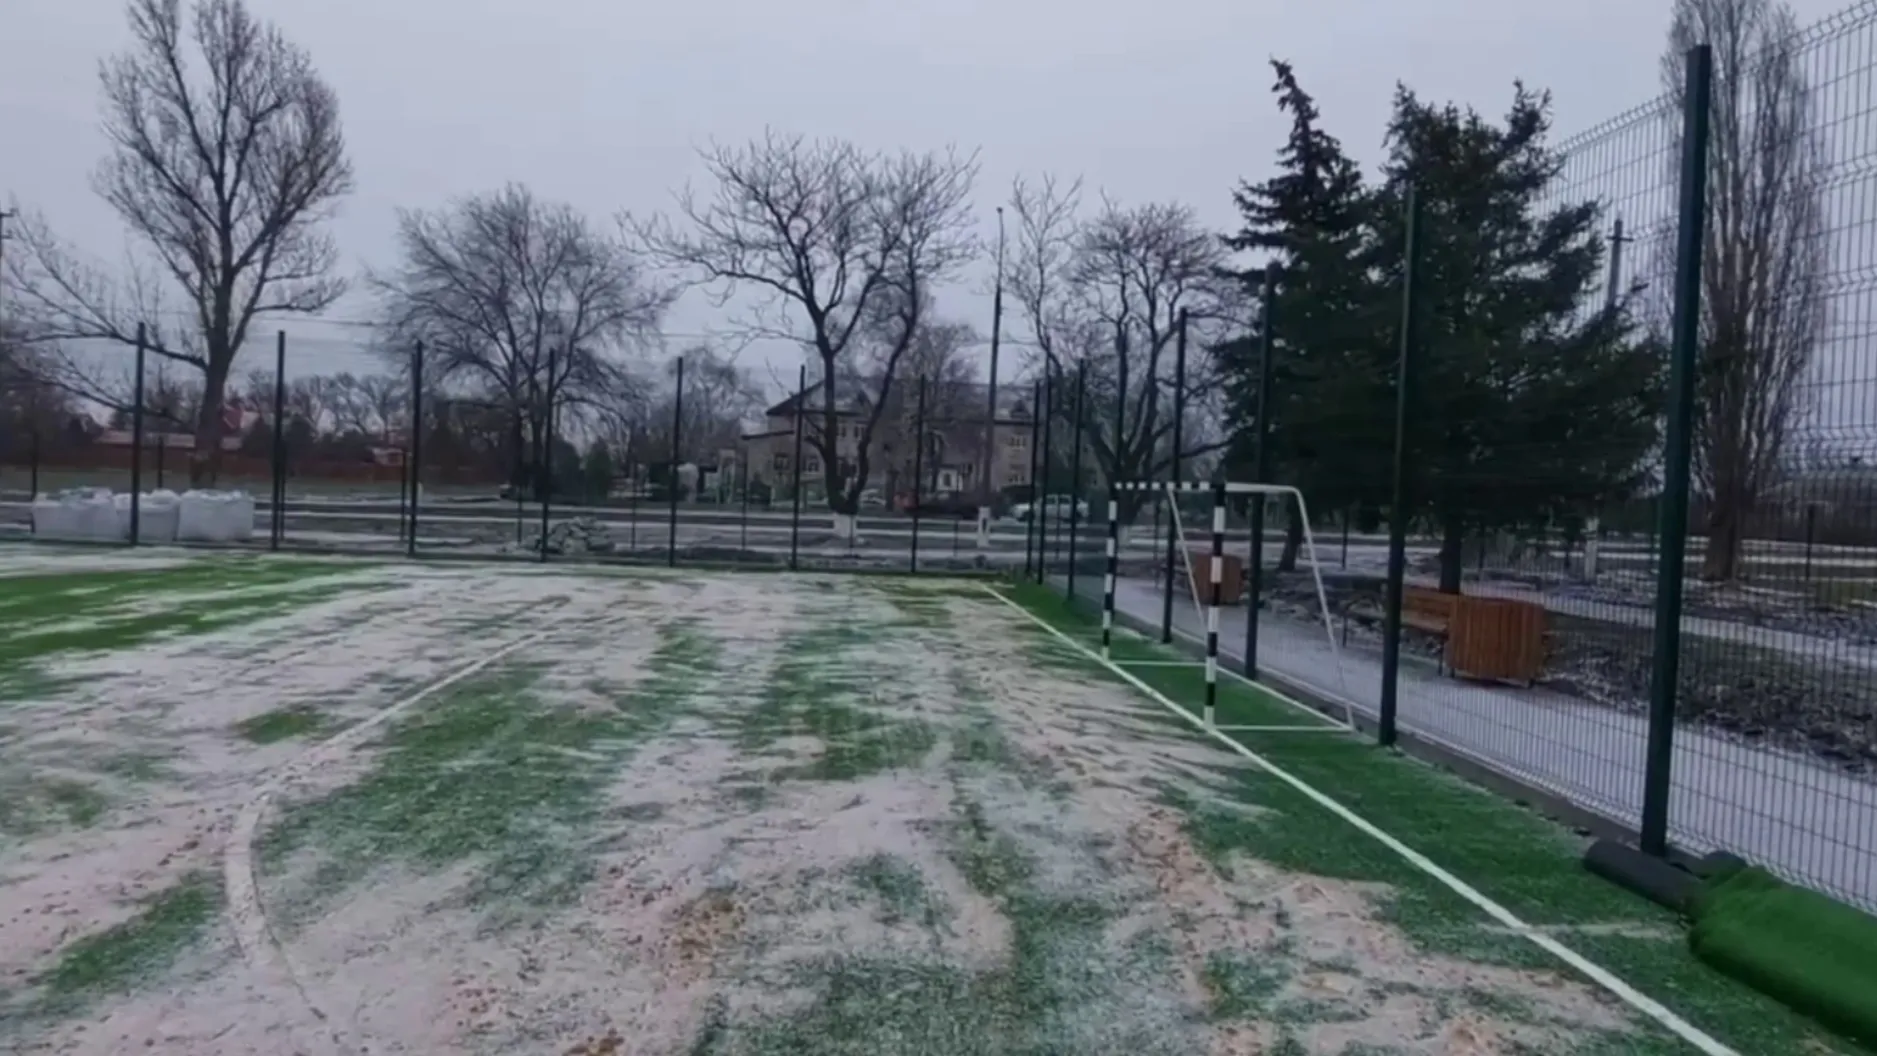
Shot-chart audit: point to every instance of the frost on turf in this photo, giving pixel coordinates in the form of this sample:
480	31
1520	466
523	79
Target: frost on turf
754	815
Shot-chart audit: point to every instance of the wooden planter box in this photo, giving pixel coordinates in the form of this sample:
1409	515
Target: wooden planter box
1497	638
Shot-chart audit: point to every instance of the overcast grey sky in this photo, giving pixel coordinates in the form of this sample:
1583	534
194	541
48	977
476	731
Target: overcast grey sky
602	104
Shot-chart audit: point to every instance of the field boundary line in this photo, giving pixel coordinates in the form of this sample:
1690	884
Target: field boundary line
1346	724
1596	973
253	935
1255	728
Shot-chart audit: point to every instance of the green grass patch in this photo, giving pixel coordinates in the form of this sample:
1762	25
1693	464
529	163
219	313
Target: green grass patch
1178	674
281	724
491	771
1518	858
29	806
823	686
103	611
133	953
1063	988
898	886
1242	986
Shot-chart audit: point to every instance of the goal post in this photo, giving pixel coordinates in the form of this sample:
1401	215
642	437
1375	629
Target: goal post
1205	531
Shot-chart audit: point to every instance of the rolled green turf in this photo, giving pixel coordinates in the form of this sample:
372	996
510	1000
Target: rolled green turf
1817	955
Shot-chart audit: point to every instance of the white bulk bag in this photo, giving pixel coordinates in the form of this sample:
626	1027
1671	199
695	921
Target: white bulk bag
156	516
215	517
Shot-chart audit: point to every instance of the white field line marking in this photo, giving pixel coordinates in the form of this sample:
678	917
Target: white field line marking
1596	973
1229	728
244	903
1346	724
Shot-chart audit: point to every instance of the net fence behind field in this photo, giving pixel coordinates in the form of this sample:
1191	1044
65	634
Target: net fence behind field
1673	638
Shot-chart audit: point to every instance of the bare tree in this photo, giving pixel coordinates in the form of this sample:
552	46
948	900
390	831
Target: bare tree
316	400
498	285
351	411
848	245
384	401
1763	299
719	397
225	170
1104	293
173	399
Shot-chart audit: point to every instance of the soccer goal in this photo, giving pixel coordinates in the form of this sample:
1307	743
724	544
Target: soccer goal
1194	521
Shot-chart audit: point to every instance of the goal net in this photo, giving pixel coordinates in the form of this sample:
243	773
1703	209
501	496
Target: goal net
1181	566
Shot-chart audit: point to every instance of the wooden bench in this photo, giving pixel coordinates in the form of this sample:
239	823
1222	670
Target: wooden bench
1499	639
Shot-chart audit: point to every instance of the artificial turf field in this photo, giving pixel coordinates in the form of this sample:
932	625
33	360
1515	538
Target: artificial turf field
257	805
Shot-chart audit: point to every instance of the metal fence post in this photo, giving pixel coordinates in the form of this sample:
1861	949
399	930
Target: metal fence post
277	525
1399	512
677	440
1040	511
1811	536
1075	467
1179	427
918	469
545	471
635	480
1036	496
404	493
1115	463
519	472
1261	468
417	444
743	521
33	471
795	498
136	443
1686	334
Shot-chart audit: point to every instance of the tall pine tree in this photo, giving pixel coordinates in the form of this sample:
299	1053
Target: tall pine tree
1329	430
1532	405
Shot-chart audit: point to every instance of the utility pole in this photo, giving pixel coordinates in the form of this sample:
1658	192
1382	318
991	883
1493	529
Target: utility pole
1617	238
5	215
990	417
1612	292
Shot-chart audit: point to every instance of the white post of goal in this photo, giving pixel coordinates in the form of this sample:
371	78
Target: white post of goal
1212	609
1107	587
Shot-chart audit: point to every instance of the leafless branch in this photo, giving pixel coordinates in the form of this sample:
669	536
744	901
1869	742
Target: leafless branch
1764	308
226	158
845	245
501	286
1104	293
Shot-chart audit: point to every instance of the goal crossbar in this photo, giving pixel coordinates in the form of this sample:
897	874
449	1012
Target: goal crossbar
1220	490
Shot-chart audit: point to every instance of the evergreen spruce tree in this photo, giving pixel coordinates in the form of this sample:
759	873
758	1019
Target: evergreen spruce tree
1329	426
1532	404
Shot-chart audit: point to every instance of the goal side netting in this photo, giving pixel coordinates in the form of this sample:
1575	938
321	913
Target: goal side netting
1180	562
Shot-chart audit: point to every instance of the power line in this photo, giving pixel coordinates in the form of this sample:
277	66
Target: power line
294	322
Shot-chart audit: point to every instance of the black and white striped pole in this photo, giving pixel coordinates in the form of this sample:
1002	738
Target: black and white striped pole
1107	586
1212	610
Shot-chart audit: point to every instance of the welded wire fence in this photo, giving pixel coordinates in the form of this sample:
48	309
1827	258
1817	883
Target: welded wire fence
1542	635
472	480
